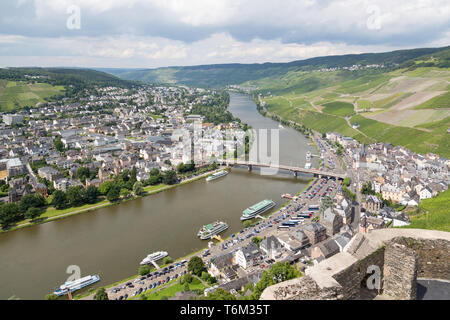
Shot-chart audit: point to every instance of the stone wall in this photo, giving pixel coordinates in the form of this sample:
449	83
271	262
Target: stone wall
354	277
304	288
402	255
433	256
400	272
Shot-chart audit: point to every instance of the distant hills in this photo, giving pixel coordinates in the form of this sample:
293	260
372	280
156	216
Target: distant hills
220	75
25	87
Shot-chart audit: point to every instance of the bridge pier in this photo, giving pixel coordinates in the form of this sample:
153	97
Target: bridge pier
295	173
249	167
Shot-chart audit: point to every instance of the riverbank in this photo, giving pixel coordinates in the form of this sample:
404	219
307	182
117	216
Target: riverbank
53	214
89	295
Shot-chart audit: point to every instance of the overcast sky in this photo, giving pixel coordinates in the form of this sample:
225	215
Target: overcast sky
155	33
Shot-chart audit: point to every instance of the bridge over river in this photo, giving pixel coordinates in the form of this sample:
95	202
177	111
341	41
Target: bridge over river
293	169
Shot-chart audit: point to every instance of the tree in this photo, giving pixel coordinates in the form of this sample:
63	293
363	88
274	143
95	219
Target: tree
154	172
82	173
186	287
104	187
167	260
113	193
279	272
57	143
346	182
9	213
76	196
33	213
138	188
196	266
213	166
51	296
367	188
170	177
256	240
220	294
30	201
59	200
124	192
144	270
247	223
154	179
187	278
92	194
101	294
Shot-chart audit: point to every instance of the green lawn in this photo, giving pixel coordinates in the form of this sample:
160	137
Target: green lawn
435	214
172	290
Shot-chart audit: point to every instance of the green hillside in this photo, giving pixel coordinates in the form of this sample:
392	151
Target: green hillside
226	74
16	95
433	214
24	87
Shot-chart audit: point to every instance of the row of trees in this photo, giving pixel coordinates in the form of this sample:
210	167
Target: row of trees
31	206
74	196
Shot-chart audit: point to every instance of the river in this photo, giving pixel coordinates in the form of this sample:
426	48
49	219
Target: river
112	241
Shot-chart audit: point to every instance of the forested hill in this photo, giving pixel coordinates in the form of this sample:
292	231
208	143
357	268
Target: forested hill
220	75
63	76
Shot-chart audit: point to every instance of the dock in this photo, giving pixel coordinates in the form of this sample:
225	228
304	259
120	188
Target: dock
261	217
217	237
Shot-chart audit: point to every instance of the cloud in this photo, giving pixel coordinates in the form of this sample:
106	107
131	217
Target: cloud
158	32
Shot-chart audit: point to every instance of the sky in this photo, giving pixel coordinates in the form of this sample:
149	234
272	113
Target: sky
158	33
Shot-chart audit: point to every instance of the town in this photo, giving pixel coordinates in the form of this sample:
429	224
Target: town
91	145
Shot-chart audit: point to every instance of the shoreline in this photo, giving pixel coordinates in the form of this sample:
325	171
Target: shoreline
186	257
104	205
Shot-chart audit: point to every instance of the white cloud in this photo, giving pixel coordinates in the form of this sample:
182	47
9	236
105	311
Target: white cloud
184	32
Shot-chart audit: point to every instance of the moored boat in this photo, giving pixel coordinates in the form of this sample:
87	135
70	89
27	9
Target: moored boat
208	231
71	286
257	209
217	175
155	256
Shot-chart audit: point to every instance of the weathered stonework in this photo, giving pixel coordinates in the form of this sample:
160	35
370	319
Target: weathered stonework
401	255
400	272
433	256
304	288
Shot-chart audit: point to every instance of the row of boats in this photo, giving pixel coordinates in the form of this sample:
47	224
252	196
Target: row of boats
206	232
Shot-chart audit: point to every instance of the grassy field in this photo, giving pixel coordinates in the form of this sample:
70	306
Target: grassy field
435	214
170	291
395	117
435	141
339	108
442	101
16	95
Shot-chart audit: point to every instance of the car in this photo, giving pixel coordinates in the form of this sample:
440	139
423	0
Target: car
159	282
167	279
125	296
121	298
163	281
131	285
176	275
